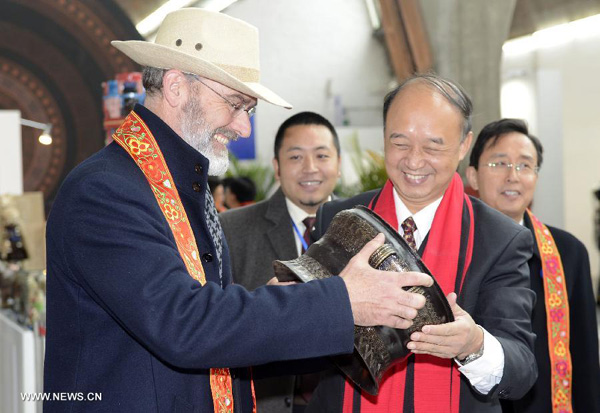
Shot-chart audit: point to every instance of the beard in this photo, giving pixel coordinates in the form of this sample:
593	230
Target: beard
197	133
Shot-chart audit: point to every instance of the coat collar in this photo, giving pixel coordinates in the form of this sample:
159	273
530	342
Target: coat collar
281	235
187	166
527	224
277	210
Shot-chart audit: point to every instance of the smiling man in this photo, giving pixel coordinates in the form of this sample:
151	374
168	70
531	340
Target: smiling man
141	307
478	256
307	165
504	167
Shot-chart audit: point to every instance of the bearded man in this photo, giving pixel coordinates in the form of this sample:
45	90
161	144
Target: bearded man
140	304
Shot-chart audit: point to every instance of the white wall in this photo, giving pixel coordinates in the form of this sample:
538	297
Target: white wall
562	87
11	164
312	51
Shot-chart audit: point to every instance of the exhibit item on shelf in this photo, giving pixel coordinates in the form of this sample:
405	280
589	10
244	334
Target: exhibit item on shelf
119	97
22	290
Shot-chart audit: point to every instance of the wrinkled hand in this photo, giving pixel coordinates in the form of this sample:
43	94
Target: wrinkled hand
456	339
377	297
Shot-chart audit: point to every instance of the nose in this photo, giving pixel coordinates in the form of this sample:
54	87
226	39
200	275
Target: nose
309	164
513	175
415	159
241	125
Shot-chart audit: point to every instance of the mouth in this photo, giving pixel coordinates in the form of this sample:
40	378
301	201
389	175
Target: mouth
511	193
310	184
225	137
414	178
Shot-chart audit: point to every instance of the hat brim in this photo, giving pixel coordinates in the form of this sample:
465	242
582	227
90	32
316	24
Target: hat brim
163	57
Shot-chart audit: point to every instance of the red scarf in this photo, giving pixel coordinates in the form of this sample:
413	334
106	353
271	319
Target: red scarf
436	380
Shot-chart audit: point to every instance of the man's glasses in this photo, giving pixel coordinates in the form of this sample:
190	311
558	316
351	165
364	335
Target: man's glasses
523	168
237	107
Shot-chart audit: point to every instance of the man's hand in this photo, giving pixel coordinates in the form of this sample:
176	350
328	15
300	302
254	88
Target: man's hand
275	281
377	297
456	339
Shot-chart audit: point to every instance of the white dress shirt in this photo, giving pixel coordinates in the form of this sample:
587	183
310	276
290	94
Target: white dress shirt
485	372
298	215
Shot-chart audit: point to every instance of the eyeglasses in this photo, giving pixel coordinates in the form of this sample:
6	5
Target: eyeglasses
237	107
522	168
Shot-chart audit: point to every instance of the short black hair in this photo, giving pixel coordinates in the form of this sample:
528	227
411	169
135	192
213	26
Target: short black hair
494	130
242	187
304	118
450	90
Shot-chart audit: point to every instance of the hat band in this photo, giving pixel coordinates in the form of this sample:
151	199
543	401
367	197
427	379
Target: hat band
243	74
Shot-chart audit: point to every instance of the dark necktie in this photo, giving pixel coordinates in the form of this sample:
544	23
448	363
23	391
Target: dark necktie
309	223
409	227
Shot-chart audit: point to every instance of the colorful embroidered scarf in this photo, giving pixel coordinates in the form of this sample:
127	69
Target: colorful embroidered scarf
436	381
137	139
557	317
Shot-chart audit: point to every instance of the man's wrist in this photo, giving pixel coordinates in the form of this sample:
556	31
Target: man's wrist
475	355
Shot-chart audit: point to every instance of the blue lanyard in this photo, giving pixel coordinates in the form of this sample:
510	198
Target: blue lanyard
300	236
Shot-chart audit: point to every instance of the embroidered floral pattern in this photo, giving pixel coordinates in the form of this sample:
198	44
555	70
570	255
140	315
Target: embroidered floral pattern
557	312
135	137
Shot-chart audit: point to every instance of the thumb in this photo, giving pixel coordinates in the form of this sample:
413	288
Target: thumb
371	246
456	310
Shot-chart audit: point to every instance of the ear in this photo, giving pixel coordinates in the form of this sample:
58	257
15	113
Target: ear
175	88
465	145
472	177
276	168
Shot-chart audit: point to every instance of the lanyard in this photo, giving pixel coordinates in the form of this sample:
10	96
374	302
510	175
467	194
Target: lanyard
300	236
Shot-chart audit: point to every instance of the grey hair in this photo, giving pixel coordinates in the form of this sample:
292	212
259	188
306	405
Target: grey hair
451	91
152	78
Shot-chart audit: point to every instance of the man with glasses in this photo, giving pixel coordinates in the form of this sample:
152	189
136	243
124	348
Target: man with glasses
504	167
141	308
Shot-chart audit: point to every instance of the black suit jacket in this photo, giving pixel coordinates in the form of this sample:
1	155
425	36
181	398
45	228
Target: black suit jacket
584	330
257	235
495	293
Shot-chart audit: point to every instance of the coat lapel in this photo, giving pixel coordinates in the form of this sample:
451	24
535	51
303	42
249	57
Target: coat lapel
527	224
281	234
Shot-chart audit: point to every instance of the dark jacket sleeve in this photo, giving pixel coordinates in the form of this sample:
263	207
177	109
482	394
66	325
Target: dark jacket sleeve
504	307
122	253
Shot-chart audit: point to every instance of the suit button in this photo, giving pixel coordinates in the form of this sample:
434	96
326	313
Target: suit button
207	257
196	186
198	168
288	401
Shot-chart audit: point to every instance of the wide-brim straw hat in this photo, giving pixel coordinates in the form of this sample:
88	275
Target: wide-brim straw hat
208	44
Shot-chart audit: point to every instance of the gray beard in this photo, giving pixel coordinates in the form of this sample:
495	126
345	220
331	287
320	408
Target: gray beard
197	134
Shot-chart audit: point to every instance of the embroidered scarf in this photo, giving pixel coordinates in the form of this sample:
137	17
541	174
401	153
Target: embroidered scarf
136	138
557	317
436	381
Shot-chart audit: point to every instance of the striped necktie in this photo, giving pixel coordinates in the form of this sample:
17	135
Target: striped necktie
409	227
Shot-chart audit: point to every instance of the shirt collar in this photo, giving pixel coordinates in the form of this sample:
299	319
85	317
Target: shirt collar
423	218
298	214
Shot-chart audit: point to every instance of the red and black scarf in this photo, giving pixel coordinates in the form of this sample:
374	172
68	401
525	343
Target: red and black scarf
424	383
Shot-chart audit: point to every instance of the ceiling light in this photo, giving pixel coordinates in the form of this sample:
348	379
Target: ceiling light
554	36
45	138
